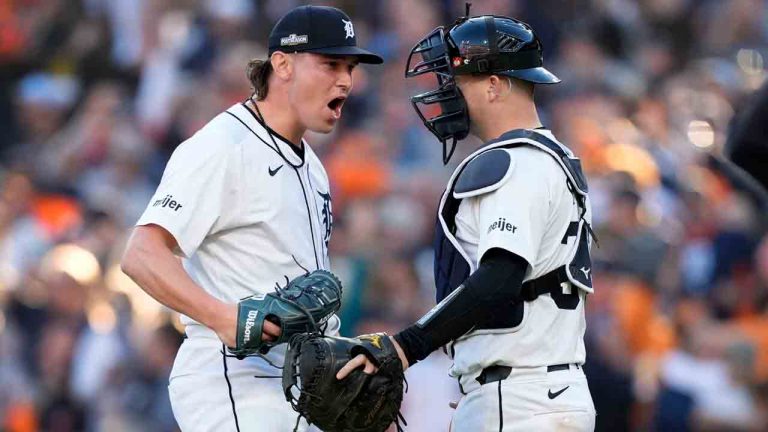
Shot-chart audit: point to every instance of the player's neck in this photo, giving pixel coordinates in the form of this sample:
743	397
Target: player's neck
279	120
506	118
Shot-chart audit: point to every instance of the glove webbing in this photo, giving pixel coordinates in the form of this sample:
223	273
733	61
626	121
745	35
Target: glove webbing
299	339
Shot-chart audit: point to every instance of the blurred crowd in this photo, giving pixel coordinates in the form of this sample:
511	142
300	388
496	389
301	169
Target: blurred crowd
96	94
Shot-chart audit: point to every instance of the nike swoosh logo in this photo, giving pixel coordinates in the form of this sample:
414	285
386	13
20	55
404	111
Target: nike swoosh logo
557	393
272	172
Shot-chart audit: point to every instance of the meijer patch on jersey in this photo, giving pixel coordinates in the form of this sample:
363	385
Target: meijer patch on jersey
167	201
502	225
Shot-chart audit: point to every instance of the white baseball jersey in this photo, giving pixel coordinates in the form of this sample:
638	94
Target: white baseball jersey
529	215
247	215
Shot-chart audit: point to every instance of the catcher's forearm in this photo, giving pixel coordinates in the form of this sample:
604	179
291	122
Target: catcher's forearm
150	262
495	284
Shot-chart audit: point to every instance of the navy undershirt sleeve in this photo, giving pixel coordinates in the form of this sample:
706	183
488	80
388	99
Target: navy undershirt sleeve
489	290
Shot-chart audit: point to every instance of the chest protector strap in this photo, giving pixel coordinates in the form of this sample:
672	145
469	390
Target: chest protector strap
452	265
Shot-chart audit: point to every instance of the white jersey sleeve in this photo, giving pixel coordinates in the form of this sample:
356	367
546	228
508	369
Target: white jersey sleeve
197	195
514	217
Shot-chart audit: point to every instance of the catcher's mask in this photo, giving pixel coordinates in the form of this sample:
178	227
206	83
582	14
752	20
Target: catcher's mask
481	45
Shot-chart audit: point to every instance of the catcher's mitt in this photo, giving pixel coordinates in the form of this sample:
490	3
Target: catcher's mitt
303	305
359	402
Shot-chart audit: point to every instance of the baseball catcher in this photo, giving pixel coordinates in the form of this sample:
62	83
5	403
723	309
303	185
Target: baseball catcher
361	401
512	241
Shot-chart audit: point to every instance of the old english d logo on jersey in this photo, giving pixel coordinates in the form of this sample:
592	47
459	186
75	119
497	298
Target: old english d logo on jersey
327	214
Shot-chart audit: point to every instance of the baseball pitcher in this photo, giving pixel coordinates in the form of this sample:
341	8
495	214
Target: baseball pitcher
236	236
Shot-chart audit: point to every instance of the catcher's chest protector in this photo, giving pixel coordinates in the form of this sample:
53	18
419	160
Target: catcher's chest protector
452	265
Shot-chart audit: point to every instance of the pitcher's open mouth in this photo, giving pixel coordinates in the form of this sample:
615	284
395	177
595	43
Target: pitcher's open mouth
335	106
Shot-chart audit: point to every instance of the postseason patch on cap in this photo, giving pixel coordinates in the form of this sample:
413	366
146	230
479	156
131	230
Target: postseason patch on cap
294	40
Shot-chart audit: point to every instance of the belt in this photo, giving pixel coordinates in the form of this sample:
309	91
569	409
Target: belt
498	373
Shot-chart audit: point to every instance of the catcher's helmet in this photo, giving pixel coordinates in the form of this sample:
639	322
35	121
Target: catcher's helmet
485	45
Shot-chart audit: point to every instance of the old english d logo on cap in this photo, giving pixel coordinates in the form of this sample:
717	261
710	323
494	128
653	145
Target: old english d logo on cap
348	28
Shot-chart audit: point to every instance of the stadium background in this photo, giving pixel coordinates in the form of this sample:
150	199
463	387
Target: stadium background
95	95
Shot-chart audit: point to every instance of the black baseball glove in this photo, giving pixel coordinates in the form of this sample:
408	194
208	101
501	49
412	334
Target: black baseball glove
359	402
303	305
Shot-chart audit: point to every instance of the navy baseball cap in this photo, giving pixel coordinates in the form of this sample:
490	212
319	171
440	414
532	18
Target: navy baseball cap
318	29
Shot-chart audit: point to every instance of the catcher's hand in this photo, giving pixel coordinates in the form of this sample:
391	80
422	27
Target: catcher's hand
360	401
302	306
369	367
